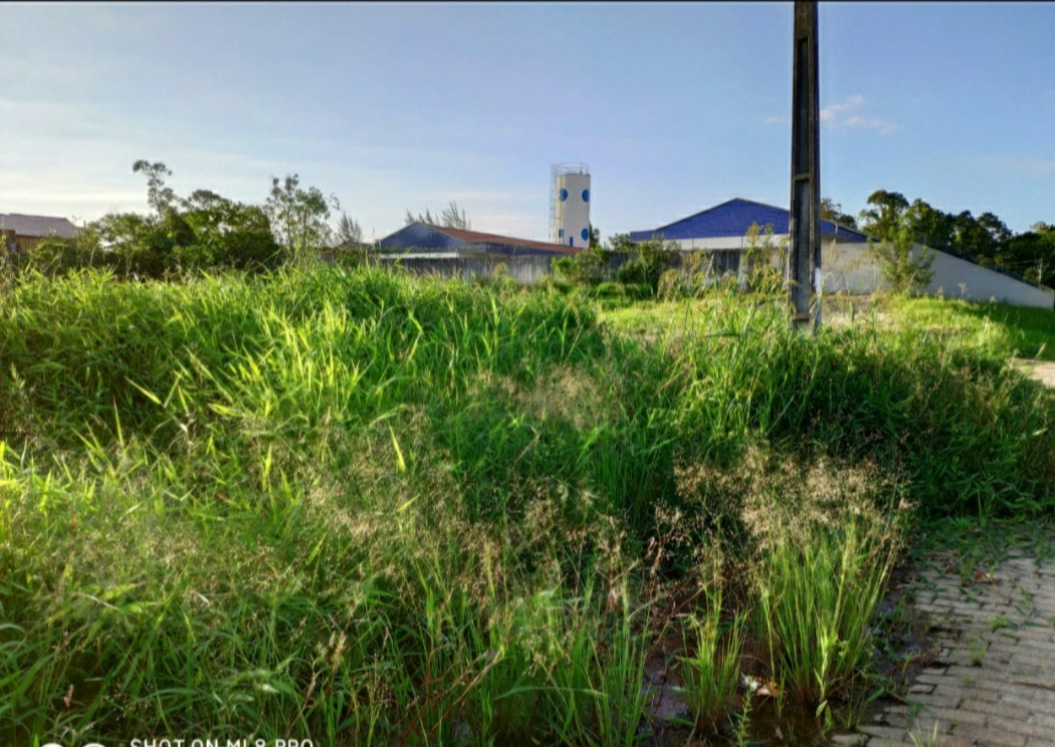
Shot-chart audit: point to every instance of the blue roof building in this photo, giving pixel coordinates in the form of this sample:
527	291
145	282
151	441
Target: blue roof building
440	242
846	264
724	226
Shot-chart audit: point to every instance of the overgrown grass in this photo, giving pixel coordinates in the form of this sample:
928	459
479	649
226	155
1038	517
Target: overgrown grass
363	508
1004	330
817	593
712	672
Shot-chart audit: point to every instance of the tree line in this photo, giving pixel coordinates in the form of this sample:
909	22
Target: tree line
984	239
204	231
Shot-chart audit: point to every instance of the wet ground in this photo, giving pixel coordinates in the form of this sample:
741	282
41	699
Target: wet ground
903	651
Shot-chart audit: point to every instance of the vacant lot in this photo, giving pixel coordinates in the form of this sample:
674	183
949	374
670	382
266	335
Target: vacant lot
360	508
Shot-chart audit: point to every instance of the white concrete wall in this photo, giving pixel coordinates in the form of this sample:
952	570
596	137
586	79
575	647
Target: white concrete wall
958	278
851	268
724	242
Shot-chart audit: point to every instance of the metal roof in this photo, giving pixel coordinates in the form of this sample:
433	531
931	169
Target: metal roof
38	225
734	218
476	237
424	236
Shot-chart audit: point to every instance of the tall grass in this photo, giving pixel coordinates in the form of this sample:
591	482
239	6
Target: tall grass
816	597
363	508
712	671
970	433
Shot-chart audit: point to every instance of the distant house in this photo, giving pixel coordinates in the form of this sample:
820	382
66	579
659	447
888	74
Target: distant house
437	242
25	232
846	263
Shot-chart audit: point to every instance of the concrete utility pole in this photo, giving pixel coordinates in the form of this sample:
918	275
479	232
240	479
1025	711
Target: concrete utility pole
805	219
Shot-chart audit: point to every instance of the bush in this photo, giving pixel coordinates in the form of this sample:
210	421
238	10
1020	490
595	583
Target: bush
763	275
654	258
905	271
55	257
585	268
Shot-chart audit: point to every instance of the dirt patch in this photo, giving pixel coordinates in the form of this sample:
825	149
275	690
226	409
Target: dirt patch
1042	371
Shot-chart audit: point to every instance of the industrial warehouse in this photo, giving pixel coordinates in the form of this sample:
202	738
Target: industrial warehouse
847	265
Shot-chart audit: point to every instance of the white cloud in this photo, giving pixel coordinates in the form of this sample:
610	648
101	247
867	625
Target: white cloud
844	114
832	112
1030	166
775	119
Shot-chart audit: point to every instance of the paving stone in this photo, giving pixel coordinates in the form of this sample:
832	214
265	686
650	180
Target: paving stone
938	699
1019	726
989	737
953	716
883	732
998	709
1008	701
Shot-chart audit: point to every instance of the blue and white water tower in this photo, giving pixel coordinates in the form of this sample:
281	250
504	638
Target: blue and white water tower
570	205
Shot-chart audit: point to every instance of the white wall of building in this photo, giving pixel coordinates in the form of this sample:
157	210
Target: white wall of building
851	268
848	267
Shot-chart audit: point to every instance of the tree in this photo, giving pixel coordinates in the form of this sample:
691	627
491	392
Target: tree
56	257
973	239
159	196
227	234
995	227
200	232
349	232
929	226
898	265
425	218
451	217
883	220
583	268
833	211
621	242
595	236
298	216
1031	253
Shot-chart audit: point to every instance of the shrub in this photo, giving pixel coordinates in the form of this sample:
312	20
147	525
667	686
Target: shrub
905	270
654	257
55	257
765	260
585	268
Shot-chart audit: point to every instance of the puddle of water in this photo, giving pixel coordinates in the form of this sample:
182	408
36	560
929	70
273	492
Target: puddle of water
902	649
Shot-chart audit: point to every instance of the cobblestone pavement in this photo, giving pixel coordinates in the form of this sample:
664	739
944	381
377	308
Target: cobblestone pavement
992	683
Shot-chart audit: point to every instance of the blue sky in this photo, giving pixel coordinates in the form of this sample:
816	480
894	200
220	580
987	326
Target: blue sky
675	107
